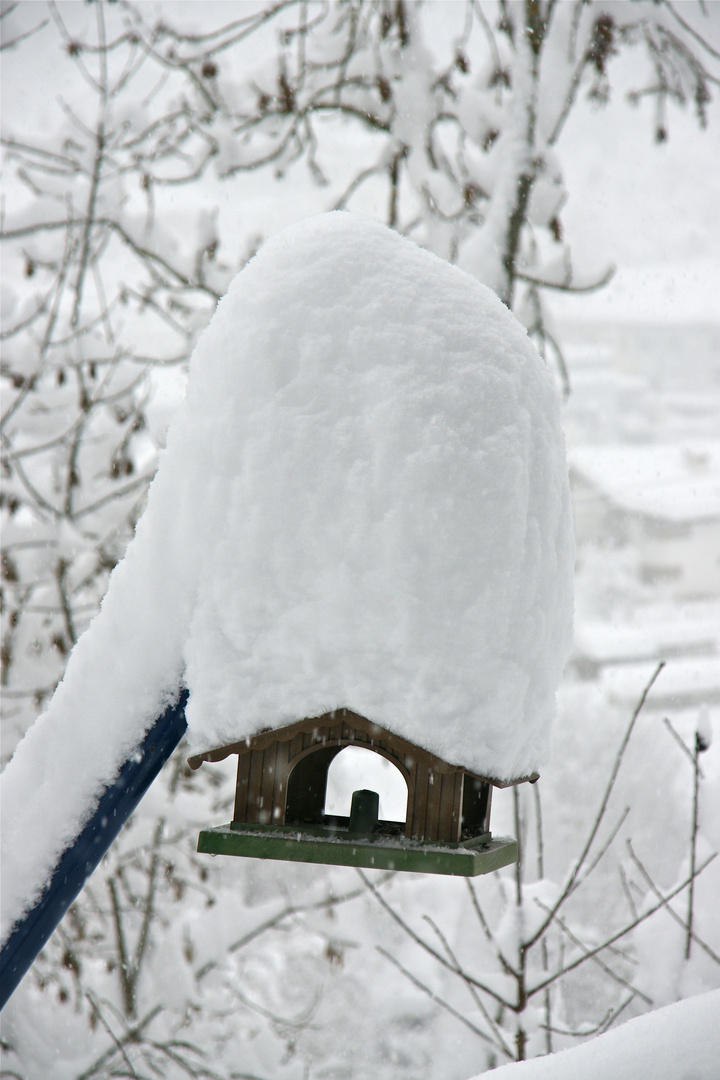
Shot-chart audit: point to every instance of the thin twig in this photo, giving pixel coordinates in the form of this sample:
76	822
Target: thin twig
575	872
628	895
471	989
678	740
693	848
621	933
507	966
681	922
289	911
429	949
610	1016
118	1044
441	1002
566	286
540	845
596	959
608	843
121	945
148	904
22	37
132	1035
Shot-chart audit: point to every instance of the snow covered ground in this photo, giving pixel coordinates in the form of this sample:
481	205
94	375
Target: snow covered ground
679	1042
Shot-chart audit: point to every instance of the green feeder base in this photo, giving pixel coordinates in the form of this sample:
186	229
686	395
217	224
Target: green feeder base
468	859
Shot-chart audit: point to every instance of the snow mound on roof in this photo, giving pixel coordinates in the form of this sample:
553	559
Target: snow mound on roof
390	522
363	502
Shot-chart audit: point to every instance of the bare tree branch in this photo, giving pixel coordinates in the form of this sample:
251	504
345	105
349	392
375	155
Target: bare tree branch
600	815
681	922
621	933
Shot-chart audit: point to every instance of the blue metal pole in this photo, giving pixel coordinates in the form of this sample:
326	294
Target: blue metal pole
77	862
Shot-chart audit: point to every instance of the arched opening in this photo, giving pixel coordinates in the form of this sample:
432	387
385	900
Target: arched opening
307	786
366	793
356	768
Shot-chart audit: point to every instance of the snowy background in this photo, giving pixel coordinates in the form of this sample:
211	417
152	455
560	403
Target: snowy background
278	971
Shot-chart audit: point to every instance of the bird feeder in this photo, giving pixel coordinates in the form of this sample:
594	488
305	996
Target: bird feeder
281	791
385	526
363	500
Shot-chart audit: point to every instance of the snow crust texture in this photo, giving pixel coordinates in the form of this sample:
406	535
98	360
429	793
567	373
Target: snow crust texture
363	502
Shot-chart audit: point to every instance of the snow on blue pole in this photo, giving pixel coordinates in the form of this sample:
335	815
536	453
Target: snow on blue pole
116	804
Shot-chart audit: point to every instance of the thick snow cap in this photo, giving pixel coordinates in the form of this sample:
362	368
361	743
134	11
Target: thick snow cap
363	502
377	446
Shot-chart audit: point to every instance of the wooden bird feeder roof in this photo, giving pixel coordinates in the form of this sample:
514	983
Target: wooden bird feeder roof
281	790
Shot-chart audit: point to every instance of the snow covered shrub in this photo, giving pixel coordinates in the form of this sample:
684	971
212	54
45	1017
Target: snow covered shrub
101	303
563	944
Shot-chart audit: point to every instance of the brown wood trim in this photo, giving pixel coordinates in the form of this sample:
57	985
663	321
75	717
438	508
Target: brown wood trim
295	745
531	779
241	789
419	809
280	788
411	765
267	786
489	808
361	745
356	729
457	807
432	813
449	810
255	784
